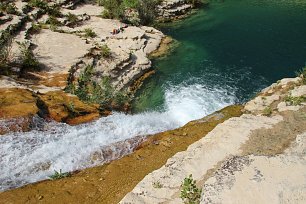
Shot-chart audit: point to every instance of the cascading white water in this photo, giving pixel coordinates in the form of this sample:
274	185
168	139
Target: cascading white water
33	156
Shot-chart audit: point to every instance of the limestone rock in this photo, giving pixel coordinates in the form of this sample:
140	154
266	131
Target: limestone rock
59	51
248	159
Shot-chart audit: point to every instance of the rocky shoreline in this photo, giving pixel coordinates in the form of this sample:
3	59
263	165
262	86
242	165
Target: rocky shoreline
110	182
63	48
258	157
253	146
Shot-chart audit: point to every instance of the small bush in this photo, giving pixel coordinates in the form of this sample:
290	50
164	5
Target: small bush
267	111
294	101
89	91
157	184
9	8
5	51
89	33
54	10
36	28
114	8
147	11
131	4
106	14
194	2
26	8
28	60
72	19
53	21
302	73
105	51
190	193
59	175
39	4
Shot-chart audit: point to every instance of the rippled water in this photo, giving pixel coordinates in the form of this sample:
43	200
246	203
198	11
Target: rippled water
225	54
33	156
243	45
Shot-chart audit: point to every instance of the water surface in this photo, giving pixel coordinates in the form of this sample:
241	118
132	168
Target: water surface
225	54
238	46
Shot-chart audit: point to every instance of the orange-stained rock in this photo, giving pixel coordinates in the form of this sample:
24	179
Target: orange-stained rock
83	119
53	79
17	103
17	107
61	107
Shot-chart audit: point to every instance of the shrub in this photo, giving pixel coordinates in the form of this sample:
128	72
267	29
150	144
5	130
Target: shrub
302	73
89	33
53	21
147	11
190	193
157	184
131	3
5	51
267	111
294	101
38	3
106	14
102	93
28	60
72	19
36	28
54	10
114	8
9	8
105	51
194	2
59	175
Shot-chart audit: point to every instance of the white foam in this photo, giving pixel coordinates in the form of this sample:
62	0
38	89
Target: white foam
33	156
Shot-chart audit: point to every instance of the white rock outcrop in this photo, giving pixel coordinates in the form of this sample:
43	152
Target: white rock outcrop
248	159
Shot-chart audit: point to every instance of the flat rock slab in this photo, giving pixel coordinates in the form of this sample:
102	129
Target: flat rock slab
89	9
59	51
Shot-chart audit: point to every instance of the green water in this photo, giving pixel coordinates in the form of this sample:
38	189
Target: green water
237	46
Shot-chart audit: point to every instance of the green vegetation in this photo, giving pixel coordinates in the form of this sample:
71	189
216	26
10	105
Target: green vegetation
36	28
53	21
190	193
302	73
72	19
59	175
119	9
90	91
105	51
5	51
89	33
194	2
28	60
8	7
302	115
52	10
294	101
267	111
157	184
38	4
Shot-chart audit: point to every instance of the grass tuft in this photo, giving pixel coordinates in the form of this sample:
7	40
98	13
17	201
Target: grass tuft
190	193
59	175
